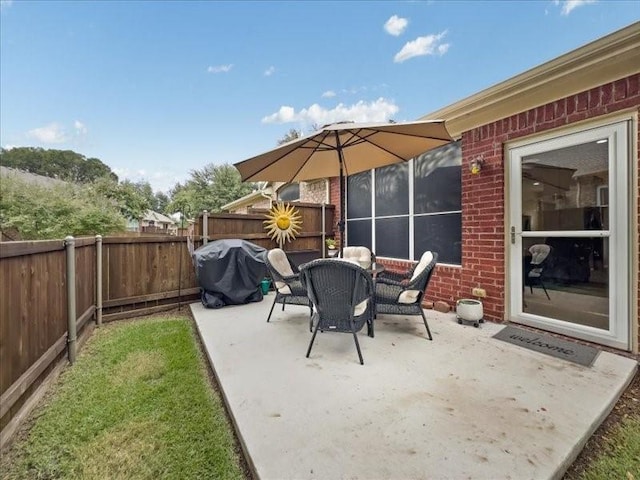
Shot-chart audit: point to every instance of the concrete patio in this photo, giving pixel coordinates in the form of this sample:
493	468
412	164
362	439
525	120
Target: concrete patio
462	406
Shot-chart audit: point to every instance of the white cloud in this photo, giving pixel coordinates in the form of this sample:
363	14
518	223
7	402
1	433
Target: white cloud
429	45
52	133
569	5
329	94
163	180
220	68
9	146
396	25
269	71
379	110
5	4
80	127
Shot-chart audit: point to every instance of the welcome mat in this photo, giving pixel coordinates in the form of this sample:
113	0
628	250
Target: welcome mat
556	347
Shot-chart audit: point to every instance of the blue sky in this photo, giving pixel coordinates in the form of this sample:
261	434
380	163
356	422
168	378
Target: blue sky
155	89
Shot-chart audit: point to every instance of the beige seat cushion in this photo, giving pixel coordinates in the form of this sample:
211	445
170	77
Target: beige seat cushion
411	296
362	255
279	261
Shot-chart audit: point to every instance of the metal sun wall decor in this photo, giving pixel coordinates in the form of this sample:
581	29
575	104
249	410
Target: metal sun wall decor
283	223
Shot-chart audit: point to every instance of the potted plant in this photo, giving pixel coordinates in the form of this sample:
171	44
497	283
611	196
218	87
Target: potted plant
332	249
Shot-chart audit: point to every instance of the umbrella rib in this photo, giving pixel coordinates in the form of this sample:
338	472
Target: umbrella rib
278	159
395	154
309	156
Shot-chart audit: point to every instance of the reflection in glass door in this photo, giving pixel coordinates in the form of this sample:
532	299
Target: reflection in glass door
569	238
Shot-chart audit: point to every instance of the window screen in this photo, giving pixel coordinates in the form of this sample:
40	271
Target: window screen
392	237
437	180
392	190
439	233
359	233
359	195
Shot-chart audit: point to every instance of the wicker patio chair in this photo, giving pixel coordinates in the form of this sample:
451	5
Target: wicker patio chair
342	295
398	294
362	255
286	278
539	256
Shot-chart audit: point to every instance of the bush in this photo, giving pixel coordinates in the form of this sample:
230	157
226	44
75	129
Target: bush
39	212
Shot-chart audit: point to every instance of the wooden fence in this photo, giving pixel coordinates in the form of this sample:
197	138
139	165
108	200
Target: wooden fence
317	225
115	277
140	275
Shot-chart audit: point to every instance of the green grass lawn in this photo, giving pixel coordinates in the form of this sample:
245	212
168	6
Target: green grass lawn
137	404
620	457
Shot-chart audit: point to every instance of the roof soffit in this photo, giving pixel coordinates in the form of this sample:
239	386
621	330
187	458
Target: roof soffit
602	61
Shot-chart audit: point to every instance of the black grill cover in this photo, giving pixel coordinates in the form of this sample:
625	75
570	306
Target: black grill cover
229	272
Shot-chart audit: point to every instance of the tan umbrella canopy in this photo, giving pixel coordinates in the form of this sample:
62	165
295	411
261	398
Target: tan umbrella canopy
344	149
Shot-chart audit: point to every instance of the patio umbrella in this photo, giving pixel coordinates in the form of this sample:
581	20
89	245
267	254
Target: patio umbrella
344	149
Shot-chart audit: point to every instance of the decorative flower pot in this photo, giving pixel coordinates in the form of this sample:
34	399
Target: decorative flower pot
332	252
469	310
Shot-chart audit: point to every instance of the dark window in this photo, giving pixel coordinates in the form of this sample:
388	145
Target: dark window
435	208
439	233
437	180
392	190
392	237
289	193
359	233
359	195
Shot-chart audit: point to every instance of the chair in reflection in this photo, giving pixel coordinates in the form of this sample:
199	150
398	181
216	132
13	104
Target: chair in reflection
362	255
342	296
286	278
399	294
539	256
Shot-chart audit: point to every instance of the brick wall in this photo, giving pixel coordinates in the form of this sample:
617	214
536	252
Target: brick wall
313	192
483	250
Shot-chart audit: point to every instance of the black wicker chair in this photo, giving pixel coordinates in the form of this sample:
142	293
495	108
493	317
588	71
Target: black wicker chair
286	279
342	295
401	294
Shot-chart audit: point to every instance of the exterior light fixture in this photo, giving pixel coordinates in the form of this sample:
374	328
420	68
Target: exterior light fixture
476	165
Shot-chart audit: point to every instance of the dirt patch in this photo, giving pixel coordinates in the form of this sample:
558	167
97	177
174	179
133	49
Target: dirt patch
105	457
139	366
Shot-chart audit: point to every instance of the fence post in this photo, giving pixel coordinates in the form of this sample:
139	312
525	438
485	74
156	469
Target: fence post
205	227
99	280
70	245
324	233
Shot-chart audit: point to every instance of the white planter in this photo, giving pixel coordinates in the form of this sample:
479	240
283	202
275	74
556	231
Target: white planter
470	310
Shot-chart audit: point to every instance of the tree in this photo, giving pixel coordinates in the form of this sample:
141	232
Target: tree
289	136
61	164
126	196
208	189
161	202
39	212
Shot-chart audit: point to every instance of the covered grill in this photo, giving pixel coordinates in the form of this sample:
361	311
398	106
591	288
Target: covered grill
229	272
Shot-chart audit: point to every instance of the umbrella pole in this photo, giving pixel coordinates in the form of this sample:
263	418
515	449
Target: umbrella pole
341	223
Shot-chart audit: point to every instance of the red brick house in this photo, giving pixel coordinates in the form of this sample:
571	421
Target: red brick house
557	151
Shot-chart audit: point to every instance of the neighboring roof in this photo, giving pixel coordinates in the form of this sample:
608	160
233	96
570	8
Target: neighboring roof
250	198
30	177
602	61
151	216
